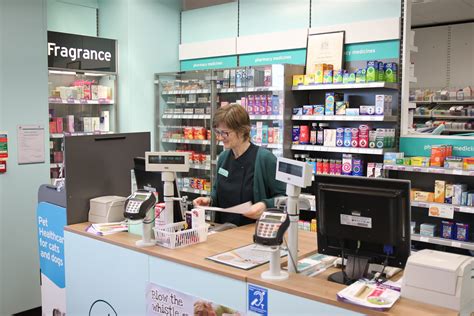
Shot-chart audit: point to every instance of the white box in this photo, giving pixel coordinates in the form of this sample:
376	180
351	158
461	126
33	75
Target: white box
87	124
95	123
105	121
383	104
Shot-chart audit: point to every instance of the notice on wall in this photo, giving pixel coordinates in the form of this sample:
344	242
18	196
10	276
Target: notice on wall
30	144
164	301
3	145
325	48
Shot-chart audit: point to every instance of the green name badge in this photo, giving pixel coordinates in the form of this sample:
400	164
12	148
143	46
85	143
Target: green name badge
223	172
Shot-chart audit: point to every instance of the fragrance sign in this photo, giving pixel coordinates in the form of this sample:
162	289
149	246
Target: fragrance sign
70	51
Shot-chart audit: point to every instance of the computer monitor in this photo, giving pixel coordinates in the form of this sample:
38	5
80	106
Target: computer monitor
147	180
366	220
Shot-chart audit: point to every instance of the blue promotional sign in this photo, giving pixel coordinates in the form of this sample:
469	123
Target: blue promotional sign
51	220
372	50
258	299
209	63
292	56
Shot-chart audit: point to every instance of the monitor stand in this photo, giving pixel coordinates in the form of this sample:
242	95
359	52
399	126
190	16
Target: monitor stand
356	268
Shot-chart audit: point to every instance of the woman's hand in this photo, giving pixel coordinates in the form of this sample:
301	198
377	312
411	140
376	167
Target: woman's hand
256	210
202	201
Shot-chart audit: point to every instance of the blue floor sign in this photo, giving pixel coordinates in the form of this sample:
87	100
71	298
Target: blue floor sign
258	300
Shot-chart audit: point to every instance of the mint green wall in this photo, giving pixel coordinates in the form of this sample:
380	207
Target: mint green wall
148	37
209	23
73	16
267	16
330	12
23	100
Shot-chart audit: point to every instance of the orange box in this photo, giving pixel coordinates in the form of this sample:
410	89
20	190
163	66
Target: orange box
423	196
188	133
438	154
468	163
199	133
439	189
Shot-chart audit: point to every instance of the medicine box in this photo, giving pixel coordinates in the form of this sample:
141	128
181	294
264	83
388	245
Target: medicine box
341	107
330	100
308	80
372	71
390	158
448	193
439	191
367	109
352	112
462	231
383	104
448	229
427	230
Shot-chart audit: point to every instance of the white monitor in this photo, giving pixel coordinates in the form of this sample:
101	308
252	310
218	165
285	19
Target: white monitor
297	173
167	161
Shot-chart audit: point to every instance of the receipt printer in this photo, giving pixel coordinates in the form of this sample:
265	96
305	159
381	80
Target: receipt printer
106	209
440	278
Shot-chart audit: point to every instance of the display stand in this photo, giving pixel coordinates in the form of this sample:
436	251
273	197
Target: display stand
147	240
275	272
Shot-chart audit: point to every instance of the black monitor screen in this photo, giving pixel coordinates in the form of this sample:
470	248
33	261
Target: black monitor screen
363	215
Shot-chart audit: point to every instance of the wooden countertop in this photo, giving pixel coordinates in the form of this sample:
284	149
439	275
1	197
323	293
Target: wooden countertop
316	288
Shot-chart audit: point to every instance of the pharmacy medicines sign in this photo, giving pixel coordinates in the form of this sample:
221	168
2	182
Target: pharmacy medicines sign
77	52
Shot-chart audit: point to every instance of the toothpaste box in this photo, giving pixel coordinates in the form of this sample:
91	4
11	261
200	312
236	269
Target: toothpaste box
367	109
331	99
341	107
340	137
361	75
328	74
381	72
458	189
347	164
309	79
383	104
318	109
372	71
298	80
338	76
390	72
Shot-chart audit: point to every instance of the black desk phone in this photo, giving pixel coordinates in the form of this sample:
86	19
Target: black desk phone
138	204
271	227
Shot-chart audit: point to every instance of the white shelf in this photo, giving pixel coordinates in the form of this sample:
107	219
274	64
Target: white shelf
196	91
445	102
364	118
271	146
438	170
456	208
421	116
200	166
196	191
55	165
349	150
342	86
450	130
61	135
247	89
444	242
186	141
266	117
453	117
81	101
187	116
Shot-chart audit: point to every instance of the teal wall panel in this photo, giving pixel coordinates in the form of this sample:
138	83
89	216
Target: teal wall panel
414	146
209	63
148	37
372	50
267	16
23	100
291	56
331	12
209	23
77	17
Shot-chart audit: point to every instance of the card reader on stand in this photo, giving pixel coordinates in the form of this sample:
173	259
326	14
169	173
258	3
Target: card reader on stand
168	163
269	231
296	175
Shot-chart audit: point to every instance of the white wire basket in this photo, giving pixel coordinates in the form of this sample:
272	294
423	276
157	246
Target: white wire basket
172	236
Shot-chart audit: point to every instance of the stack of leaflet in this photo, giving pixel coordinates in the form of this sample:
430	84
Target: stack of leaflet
107	228
377	296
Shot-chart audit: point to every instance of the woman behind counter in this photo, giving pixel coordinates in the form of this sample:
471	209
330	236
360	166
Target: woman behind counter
245	172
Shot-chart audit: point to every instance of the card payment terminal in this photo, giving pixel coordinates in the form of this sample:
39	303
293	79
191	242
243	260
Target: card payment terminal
271	227
138	204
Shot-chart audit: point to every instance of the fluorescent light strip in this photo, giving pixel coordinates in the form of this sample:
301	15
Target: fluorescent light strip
60	72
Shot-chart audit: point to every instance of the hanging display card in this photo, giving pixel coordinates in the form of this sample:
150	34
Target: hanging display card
30	144
325	48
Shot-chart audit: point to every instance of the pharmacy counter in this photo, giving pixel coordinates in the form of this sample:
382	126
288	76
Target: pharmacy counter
109	274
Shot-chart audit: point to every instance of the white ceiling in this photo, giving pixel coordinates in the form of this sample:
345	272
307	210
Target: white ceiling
425	12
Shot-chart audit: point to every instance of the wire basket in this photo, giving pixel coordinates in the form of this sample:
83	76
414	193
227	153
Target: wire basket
172	236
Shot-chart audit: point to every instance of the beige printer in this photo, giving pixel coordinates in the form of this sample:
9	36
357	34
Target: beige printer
106	209
440	278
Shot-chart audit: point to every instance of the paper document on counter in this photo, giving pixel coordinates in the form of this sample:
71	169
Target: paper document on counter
368	294
238	209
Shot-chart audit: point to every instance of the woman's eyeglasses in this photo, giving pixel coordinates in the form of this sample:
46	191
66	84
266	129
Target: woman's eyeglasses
223	134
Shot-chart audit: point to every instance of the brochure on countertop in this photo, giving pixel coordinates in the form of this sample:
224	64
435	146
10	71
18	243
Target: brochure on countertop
103	229
237	209
246	257
377	296
314	264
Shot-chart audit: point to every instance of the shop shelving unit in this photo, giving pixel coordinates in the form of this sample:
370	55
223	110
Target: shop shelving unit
80	103
189	99
438	111
424	177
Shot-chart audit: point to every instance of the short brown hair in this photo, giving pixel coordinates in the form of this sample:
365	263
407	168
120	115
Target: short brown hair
234	117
